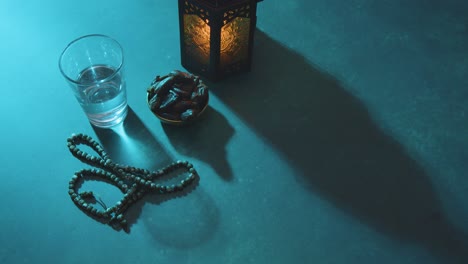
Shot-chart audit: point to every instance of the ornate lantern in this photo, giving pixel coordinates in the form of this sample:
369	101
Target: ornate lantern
216	36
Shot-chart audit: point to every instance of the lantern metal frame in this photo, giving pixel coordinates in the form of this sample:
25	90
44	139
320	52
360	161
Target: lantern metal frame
216	14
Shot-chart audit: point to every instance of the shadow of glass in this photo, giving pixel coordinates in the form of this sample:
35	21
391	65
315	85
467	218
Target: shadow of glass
205	139
339	152
133	144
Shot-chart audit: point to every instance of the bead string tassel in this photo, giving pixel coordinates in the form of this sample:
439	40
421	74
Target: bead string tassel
133	182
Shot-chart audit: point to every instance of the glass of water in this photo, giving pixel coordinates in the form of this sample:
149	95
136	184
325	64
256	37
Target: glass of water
93	66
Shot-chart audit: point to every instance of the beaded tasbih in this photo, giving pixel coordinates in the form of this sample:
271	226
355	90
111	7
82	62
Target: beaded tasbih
133	182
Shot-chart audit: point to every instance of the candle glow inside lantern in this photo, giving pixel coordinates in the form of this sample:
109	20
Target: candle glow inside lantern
216	36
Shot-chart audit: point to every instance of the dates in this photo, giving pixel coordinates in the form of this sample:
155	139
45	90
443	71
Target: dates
177	96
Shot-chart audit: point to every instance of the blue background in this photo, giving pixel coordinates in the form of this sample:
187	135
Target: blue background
347	143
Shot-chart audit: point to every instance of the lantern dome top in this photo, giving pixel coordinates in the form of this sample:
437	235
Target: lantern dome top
222	3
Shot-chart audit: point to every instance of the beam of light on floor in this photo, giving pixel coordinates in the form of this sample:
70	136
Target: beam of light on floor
129	146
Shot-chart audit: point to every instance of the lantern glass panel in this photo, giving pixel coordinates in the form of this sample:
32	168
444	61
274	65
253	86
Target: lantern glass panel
234	44
197	40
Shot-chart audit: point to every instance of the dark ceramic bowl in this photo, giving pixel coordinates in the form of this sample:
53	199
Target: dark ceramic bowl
176	121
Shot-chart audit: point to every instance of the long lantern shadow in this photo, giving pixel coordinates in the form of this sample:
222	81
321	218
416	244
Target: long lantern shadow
341	154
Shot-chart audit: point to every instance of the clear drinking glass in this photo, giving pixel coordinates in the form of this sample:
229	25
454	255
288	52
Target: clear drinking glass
93	66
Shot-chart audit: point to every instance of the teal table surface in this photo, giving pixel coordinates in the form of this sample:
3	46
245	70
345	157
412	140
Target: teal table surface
346	143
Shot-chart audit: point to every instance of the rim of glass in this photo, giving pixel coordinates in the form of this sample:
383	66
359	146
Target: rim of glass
90	36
